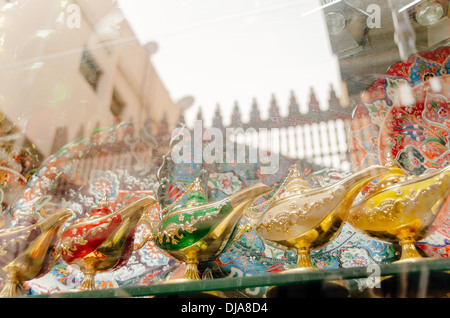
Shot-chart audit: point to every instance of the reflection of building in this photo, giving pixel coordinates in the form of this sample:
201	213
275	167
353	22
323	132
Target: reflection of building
319	136
68	67
379	44
363	36
367	39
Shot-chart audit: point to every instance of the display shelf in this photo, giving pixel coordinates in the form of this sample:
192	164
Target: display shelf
235	283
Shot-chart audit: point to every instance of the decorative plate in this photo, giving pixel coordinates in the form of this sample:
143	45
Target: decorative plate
417	134
390	89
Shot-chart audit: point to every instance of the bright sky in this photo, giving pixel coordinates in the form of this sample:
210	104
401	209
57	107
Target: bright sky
222	51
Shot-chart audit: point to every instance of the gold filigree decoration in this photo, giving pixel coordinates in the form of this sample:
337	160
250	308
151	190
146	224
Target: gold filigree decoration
67	244
172	234
283	221
7	243
390	209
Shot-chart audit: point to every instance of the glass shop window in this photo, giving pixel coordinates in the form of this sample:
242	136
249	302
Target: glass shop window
104	102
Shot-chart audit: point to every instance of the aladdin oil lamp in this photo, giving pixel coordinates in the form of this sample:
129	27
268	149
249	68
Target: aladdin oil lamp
29	251
197	230
104	240
302	218
402	208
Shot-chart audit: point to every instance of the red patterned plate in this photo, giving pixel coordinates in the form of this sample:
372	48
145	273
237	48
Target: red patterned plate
386	91
417	133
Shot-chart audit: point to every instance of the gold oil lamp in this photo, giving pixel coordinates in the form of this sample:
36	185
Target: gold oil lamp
198	230
402	208
302	218
104	240
29	251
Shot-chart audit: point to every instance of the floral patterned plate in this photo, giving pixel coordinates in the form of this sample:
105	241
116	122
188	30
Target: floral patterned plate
417	134
392	88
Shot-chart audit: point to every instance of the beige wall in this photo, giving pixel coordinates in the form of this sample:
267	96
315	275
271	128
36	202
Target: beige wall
41	87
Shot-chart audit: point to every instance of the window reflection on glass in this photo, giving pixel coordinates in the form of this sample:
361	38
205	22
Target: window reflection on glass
91	93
